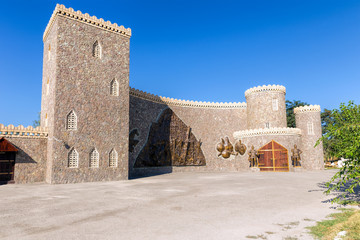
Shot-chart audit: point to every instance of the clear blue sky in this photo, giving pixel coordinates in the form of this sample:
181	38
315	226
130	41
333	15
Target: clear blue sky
200	50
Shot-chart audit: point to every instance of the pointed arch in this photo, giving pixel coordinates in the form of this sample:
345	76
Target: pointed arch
71	121
94	158
73	158
96	49
113	158
114	88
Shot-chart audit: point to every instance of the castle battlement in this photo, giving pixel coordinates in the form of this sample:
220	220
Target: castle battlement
309	108
267	131
184	103
61	10
21	131
266	88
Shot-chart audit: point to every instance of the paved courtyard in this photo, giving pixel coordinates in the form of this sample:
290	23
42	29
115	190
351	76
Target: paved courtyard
173	206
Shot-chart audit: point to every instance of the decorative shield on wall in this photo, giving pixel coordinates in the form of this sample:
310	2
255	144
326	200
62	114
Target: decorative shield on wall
170	143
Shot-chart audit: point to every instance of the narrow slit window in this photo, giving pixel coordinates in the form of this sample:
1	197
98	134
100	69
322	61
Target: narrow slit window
49	52
47	86
310	126
114	88
275	104
97	49
94	158
73	159
113	158
267	125
71	121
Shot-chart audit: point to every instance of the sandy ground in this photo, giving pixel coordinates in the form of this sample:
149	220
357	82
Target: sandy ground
173	206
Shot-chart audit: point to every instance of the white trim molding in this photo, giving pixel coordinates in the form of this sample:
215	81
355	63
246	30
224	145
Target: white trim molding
266	88
266	131
309	108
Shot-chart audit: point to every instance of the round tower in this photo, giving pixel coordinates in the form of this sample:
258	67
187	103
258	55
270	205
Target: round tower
266	107
308	119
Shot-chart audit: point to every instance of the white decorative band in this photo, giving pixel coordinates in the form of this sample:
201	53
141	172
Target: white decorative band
183	103
266	131
21	131
61	10
309	108
266	88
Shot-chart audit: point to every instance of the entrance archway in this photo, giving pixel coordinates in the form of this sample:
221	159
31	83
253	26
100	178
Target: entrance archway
273	157
7	161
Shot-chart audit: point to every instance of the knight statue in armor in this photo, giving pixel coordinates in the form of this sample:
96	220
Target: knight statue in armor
253	157
295	156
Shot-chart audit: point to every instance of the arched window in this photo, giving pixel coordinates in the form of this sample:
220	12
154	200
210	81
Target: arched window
275	104
73	158
97	49
71	121
113	158
114	88
94	158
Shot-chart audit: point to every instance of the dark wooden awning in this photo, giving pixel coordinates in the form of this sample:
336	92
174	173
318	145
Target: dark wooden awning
6	146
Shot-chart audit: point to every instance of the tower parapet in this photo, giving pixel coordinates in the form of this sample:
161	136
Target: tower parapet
266	107
308	119
61	10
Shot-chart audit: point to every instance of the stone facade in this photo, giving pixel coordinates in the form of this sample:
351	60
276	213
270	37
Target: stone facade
81	82
94	127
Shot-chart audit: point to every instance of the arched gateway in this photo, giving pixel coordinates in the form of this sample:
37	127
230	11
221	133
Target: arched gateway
273	157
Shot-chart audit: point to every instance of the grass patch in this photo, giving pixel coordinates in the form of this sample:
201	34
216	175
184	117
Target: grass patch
347	220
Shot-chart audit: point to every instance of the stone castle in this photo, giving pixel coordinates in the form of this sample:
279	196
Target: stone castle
94	127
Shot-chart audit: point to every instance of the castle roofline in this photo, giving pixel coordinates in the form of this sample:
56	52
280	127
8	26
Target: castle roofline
184	103
61	10
266	88
308	108
267	131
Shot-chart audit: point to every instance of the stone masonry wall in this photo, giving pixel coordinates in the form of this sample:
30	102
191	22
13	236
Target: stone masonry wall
260	109
207	124
30	163
286	141
312	157
83	85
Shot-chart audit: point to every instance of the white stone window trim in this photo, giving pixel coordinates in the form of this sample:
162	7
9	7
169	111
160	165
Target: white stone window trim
114	87
71	121
113	158
73	158
94	159
97	49
310	128
275	104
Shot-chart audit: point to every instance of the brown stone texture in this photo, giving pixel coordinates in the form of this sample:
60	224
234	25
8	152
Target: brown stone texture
207	124
312	157
260	110
30	162
81	82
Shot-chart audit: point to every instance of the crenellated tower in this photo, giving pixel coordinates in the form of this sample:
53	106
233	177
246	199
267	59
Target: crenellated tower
85	97
266	107
308	119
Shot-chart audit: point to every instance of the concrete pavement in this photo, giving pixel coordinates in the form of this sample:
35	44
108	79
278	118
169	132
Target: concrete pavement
173	206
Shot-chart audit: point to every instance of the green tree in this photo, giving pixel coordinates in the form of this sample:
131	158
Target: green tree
290	116
36	122
328	143
345	131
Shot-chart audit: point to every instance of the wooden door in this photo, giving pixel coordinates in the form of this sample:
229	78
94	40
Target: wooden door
273	157
7	164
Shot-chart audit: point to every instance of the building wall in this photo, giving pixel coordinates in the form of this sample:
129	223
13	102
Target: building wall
207	123
82	85
312	157
260	109
287	141
30	163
